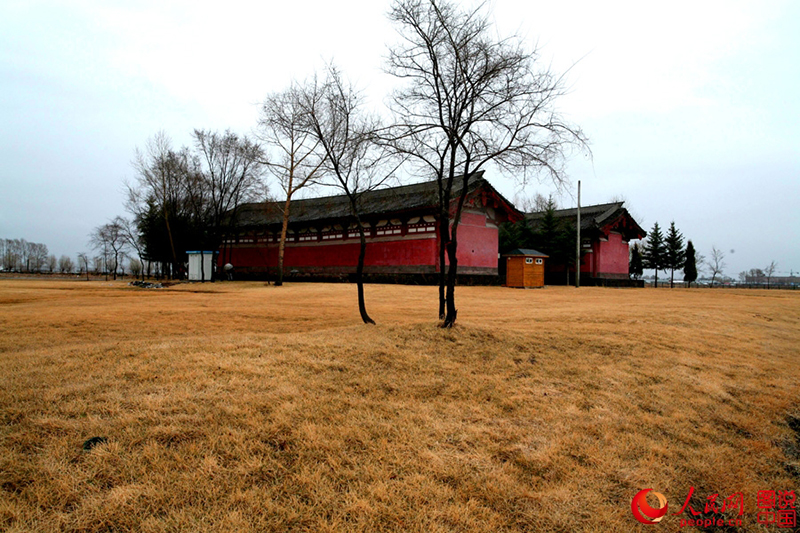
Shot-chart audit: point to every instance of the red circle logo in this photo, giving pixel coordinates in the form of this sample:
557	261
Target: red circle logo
646	514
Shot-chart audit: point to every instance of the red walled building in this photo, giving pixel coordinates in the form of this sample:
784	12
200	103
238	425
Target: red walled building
402	236
606	230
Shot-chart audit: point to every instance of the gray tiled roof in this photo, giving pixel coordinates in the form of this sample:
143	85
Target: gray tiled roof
593	217
526	251
388	201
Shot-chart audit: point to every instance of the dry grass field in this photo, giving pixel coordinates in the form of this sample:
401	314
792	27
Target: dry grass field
245	407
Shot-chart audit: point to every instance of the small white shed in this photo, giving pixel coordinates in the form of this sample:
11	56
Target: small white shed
196	273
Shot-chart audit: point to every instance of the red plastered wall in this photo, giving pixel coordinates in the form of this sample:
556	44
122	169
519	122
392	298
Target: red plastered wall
477	243
613	255
477	247
411	252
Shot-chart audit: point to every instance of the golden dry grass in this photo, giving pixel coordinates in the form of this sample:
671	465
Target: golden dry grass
245	407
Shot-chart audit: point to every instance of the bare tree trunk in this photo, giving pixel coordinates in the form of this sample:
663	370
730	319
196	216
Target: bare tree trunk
444	234
452	312
171	244
362	307
282	244
452	248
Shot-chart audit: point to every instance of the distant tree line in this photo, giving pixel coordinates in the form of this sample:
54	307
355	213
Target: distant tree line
19	255
759	276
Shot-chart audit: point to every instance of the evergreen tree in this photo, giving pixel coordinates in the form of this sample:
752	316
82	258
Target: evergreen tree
655	251
546	238
675	253
554	237
636	267
508	237
690	264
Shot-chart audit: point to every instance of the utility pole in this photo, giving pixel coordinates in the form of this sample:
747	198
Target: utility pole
578	245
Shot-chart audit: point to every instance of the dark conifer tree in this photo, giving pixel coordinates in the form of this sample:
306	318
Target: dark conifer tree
655	251
546	238
508	237
636	267
675	253
554	237
690	264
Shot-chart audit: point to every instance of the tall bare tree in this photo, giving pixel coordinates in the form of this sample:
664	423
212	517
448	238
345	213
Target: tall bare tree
109	238
353	162
159	184
37	256
769	270
132	239
470	99
716	263
12	254
83	259
52	263
65	264
231	173
294	157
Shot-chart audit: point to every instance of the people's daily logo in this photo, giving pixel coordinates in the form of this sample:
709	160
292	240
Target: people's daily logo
642	510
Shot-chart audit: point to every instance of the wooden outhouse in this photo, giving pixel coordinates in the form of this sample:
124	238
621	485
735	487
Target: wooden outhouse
524	268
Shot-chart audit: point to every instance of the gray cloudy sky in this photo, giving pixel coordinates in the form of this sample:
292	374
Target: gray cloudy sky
691	108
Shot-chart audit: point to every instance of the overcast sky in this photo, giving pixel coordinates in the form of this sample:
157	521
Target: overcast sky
691	108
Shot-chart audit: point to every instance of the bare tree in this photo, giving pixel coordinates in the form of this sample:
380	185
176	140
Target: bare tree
98	264
769	270
295	158
470	100
534	204
11	254
230	174
132	239
110	239
160	180
37	256
27	253
20	255
52	263
135	267
83	259
345	134
716	263
65	264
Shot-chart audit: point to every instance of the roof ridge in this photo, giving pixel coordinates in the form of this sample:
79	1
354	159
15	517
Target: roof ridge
583	207
476	176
